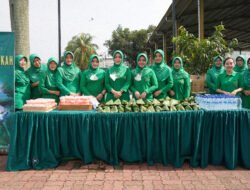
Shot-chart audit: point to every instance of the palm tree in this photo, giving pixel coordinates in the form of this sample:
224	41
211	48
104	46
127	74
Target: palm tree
81	45
19	14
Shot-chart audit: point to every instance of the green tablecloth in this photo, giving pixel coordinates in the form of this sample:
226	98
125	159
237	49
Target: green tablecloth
42	140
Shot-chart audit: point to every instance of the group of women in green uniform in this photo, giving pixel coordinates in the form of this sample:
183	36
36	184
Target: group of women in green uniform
120	82
230	78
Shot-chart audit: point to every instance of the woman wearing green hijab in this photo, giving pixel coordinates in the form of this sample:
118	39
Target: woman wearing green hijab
144	81
47	82
163	74
34	73
181	88
241	64
68	76
118	79
213	73
245	84
22	82
229	81
92	80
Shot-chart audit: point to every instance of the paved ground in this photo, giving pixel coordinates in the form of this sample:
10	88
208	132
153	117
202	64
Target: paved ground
74	175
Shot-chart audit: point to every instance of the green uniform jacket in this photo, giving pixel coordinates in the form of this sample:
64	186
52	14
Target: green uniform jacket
34	75
164	76
92	80
22	84
118	77
181	79
68	77
228	83
212	75
143	79
245	84
243	68
48	81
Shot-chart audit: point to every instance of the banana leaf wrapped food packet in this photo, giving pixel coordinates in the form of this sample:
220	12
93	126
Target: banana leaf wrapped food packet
158	108
128	108
106	109
124	102
173	108
179	107
113	109
151	109
188	108
140	102
121	108
156	102
117	102
174	102
136	108
109	103
165	108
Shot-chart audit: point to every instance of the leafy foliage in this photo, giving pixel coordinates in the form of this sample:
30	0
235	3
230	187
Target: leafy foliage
198	53
130	42
82	47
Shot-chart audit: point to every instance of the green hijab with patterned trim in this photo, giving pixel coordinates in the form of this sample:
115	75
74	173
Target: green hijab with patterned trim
51	77
91	71
178	73
34	72
161	69
19	71
215	69
244	66
145	70
69	72
118	69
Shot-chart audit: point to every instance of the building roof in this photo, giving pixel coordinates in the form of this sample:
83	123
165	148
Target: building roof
234	15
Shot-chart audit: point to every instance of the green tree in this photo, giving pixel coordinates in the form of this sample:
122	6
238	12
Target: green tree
130	42
198	53
82	47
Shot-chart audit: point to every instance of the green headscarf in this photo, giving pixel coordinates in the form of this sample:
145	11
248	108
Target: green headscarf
51	77
34	72
244	66
91	71
161	69
69	72
17	62
119	70
178	73
145	70
246	76
215	69
19	71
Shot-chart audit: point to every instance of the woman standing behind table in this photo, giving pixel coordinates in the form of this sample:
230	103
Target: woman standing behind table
241	64
182	87
22	82
213	73
118	79
92	80
68	76
34	73
163	74
228	82
245	84
144	81
47	82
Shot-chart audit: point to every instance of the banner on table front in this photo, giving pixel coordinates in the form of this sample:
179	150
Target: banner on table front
7	59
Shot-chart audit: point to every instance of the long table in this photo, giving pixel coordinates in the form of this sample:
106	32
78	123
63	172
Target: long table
42	140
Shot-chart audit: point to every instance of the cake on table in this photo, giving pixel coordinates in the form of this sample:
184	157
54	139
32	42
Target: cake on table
40	105
77	102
